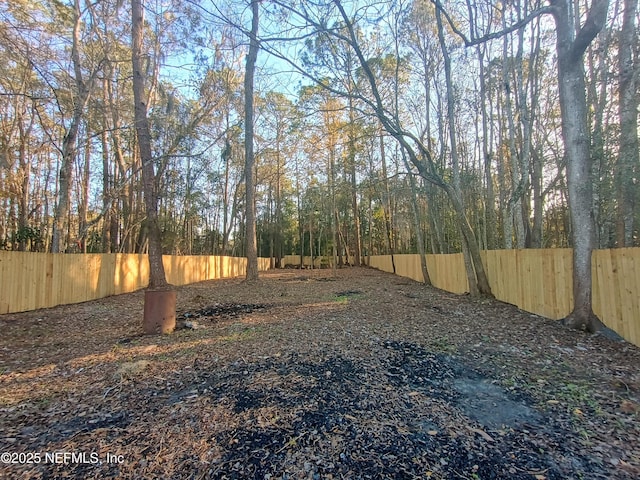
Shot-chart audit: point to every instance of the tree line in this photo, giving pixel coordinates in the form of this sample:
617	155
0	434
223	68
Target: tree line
394	126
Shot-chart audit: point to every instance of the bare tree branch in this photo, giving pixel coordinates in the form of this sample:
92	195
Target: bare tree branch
596	19
472	40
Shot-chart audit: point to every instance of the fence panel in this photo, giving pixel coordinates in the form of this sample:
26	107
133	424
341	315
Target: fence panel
448	272
294	261
497	262
39	280
408	265
381	262
616	290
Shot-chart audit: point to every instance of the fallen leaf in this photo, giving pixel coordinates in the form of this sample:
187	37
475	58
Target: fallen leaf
482	433
131	369
628	406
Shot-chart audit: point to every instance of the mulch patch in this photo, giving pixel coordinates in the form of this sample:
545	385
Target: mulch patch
355	374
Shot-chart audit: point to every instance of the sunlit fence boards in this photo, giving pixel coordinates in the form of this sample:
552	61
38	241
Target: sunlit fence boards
540	281
29	281
446	271
616	292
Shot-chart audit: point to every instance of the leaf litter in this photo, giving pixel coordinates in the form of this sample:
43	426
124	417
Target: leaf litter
354	375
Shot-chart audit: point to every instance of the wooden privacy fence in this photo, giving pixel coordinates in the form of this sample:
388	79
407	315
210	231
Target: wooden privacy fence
29	281
294	261
541	282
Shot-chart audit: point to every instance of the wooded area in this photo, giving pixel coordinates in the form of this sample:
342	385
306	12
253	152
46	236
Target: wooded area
39	280
347	129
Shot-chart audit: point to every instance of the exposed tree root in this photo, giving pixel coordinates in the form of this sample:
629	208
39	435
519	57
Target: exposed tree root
589	322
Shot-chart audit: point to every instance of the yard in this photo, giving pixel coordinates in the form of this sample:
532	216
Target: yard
310	375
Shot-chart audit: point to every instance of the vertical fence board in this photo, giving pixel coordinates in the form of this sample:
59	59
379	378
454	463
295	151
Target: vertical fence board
407	265
531	277
504	288
617	288
58	282
5	297
606	298
629	309
34	273
49	299
636	319
294	261
549	285
108	274
564	274
10	282
449	273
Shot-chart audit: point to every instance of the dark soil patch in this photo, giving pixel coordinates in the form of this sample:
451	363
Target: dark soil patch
348	293
356	376
343	431
224	310
444	377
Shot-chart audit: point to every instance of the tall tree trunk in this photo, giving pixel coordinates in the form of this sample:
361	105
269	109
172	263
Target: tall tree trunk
83	207
300	219
61	215
25	167
278	227
370	227
536	153
627	162
106	182
597	79
157	277
456	188
310	242
538	199
416	219
357	254
515	202
251	240
507	218
434	231
432	211
122	187
386	207
489	209
334	212
226	158
525	117
573	108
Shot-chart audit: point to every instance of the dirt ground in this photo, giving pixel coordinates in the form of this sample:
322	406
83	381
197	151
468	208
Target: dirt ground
307	375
